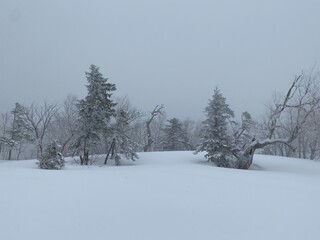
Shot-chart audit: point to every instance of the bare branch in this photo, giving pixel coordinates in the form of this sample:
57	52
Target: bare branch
156	111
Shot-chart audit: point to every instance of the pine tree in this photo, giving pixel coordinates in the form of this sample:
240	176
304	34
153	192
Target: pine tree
20	130
95	112
175	137
122	144
216	139
52	158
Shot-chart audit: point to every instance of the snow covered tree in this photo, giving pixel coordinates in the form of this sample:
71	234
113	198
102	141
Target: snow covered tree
157	111
237	150
216	138
244	132
5	120
175	136
193	129
301	101
312	135
8	143
51	158
20	130
95	112
122	143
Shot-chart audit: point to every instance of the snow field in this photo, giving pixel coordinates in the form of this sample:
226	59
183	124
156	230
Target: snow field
165	195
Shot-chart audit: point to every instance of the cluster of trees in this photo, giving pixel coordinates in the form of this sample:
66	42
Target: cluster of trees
97	124
290	127
100	124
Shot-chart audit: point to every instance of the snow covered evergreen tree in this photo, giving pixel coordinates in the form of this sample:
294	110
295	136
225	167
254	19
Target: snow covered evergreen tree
52	158
20	130
95	112
216	137
122	142
175	137
8	143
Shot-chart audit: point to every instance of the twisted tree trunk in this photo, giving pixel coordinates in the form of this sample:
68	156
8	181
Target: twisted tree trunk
301	97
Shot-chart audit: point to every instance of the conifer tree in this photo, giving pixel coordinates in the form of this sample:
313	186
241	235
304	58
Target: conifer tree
123	143
216	138
52	158
20	130
175	137
95	112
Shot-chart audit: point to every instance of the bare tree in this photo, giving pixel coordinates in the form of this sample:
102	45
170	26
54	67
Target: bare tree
156	112
311	135
5	121
302	98
39	119
63	126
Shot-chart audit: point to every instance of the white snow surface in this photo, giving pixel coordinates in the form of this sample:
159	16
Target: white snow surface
163	195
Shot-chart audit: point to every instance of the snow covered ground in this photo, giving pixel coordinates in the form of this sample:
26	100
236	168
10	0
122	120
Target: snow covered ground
167	195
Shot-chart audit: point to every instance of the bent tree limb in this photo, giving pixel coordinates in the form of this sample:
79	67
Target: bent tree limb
303	99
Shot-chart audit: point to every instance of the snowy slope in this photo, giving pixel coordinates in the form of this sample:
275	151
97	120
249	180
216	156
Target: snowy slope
162	196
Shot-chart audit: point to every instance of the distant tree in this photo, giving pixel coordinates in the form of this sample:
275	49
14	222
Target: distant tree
8	143
297	120
193	130
51	158
157	111
216	138
175	136
20	131
39	119
63	127
311	134
5	122
95	112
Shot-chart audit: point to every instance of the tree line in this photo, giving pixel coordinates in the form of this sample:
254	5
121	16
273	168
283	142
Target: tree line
101	124
97	124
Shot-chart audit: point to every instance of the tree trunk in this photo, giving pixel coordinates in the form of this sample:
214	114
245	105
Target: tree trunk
156	111
244	161
110	149
10	153
84	159
313	150
81	160
147	147
312	154
19	151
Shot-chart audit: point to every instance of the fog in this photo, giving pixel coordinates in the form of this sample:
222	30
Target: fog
157	52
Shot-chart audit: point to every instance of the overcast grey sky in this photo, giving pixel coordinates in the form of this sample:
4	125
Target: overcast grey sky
170	52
